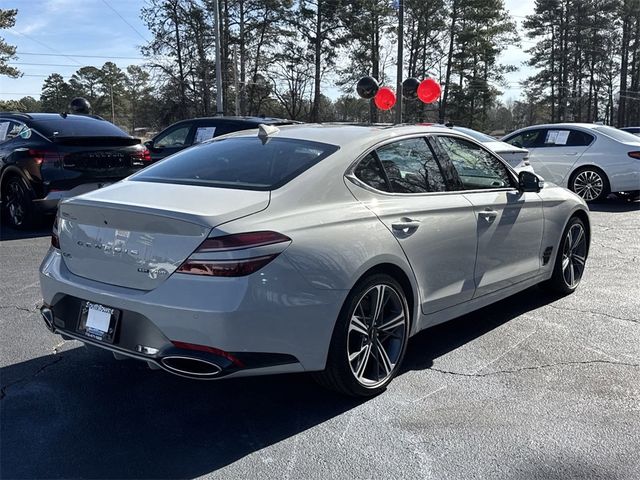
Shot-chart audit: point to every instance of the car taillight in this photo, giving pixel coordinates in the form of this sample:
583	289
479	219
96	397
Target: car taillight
236	267
45	157
635	155
55	240
144	155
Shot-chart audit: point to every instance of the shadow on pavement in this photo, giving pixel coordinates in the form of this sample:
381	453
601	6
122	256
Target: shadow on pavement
82	414
43	230
615	204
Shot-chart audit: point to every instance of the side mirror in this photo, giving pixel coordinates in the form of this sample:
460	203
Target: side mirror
529	182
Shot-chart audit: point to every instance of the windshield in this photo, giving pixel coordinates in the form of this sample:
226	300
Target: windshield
481	137
238	162
617	134
76	126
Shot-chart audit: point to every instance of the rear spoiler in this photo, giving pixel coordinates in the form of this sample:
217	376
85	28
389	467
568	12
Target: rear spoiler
96	141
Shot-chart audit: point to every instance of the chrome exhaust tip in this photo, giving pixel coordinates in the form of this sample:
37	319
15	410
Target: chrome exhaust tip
47	316
191	367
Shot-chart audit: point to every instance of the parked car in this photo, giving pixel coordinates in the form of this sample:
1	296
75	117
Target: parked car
634	130
185	133
45	157
591	160
517	157
309	248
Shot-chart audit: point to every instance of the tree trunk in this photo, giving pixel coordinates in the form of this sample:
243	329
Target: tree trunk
447	77
315	111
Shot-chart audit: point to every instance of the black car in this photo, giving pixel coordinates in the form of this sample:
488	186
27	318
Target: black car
185	133
634	130
45	157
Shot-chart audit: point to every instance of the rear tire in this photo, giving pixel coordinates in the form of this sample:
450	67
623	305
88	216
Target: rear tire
590	183
17	203
570	259
369	339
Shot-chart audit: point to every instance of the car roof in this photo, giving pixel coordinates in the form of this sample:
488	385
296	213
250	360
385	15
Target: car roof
342	134
589	126
247	119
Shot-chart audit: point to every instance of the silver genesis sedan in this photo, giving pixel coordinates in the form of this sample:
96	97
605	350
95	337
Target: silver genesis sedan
307	248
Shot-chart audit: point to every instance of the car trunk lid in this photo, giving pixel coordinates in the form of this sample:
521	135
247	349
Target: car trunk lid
136	234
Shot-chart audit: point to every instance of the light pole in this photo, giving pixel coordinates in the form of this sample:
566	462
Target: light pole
216	27
399	63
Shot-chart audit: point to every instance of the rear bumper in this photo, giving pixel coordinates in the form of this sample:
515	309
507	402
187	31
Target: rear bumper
624	177
272	321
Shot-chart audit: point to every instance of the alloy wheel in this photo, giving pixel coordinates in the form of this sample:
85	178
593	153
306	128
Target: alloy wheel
589	184
15	203
376	335
574	255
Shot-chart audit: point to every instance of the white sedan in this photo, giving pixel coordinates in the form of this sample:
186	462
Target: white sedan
517	157
591	160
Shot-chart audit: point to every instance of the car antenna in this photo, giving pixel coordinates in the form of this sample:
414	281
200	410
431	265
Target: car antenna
64	114
265	132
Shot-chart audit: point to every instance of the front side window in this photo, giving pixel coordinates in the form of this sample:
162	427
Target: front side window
174	138
239	162
411	167
476	167
528	139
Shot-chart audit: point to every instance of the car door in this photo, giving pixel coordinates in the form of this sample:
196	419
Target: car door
509	223
402	183
172	140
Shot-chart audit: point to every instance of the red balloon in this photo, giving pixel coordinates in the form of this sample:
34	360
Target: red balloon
429	90
385	98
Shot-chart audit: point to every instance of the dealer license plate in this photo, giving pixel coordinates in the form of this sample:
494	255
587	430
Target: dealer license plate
98	321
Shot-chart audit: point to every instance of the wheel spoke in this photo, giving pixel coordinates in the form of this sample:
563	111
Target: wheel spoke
383	358
578	240
379	302
572	274
579	260
365	361
359	326
565	263
393	323
355	355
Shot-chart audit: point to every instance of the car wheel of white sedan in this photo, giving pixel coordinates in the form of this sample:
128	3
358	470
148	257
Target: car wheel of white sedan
571	258
369	339
591	184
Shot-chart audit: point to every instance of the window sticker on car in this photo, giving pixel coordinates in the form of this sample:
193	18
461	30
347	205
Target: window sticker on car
557	137
4	126
563	136
552	135
204	133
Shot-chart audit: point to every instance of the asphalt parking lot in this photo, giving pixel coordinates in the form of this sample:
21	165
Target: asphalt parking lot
532	387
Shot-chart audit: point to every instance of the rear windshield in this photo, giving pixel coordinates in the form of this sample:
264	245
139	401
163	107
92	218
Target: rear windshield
238	162
616	134
76	126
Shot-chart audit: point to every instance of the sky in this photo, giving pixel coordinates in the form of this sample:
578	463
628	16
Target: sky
64	35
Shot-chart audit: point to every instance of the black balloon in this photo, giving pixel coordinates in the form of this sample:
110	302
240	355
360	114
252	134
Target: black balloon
410	87
367	87
80	105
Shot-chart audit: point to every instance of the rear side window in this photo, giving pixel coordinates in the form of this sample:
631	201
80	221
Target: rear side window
240	163
411	167
369	172
76	126
476	167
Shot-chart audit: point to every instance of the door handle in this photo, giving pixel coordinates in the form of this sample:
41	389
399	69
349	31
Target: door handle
406	224
488	214
571	153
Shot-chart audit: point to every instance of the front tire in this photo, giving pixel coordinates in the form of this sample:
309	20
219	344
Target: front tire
570	259
590	183
369	339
